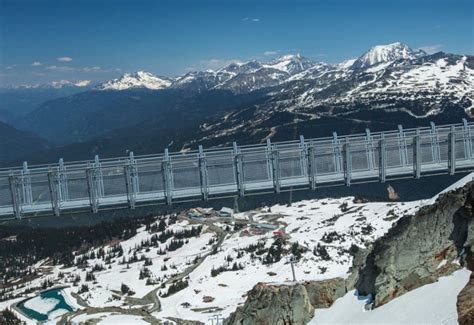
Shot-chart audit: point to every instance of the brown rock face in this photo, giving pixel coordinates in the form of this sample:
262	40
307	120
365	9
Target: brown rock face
287	304
465	303
408	256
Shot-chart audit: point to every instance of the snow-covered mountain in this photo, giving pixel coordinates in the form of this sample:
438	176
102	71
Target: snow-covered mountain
56	84
238	77
386	53
16	101
242	77
291	64
392	67
138	79
247	76
423	87
250	101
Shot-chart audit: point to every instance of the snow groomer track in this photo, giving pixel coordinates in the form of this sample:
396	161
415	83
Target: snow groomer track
205	174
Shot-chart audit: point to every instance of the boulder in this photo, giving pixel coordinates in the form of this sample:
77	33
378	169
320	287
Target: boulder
287	304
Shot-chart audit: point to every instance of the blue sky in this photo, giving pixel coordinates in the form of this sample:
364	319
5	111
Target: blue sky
45	40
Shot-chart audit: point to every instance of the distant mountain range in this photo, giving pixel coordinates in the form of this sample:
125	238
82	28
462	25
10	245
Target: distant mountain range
16	102
16	143
253	101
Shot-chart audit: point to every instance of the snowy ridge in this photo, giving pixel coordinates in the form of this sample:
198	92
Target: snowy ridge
138	79
384	69
432	83
429	80
386	53
291	64
57	84
433	303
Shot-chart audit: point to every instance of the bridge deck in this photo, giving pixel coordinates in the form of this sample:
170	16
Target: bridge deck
240	170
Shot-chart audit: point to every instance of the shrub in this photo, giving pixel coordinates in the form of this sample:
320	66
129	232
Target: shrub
124	288
175	287
83	288
322	252
90	276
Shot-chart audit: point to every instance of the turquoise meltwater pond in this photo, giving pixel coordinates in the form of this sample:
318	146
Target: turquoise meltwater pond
42	306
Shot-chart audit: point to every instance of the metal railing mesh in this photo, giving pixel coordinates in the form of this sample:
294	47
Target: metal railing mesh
204	174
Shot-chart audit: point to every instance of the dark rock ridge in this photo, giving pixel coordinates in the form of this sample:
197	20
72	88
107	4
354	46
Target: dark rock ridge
409	255
287	304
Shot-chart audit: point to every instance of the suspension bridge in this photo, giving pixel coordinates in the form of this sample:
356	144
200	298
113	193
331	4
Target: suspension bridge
205	174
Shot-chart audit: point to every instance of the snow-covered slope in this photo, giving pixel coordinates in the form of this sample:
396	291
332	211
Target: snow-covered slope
432	78
433	303
392	72
291	64
421	87
138	79
386	53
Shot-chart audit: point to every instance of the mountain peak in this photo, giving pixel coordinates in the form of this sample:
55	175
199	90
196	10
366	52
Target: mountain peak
139	79
286	57
291	63
241	67
386	53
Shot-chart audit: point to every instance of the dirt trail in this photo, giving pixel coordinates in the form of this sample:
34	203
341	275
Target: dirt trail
144	314
151	297
221	234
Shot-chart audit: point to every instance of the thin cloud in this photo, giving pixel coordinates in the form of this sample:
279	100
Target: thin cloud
39	74
214	64
430	49
61	68
60	83
64	82
91	69
270	53
254	20
65	59
36	64
82	83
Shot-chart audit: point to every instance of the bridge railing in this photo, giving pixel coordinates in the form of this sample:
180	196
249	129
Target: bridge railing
239	170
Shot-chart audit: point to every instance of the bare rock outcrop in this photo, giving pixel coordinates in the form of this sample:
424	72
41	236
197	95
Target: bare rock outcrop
409	255
465	303
287	304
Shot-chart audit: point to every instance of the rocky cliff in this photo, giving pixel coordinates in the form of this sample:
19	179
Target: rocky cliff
287	304
417	249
